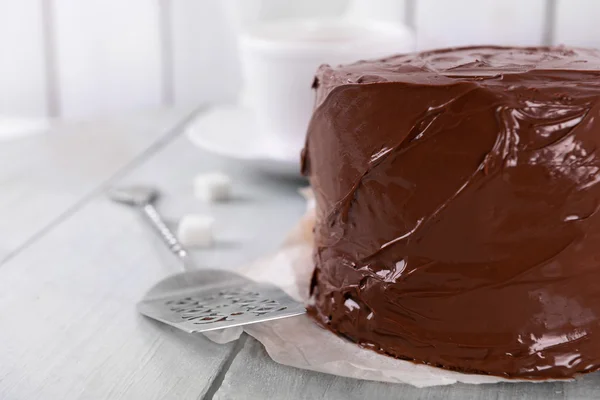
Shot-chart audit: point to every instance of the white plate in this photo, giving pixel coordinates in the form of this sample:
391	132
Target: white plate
231	131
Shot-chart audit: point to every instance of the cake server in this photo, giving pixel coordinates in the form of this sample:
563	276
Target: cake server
201	300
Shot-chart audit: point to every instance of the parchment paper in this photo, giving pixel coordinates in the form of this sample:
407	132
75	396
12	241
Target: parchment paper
301	343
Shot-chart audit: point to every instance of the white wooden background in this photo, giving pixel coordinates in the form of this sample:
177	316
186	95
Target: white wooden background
75	59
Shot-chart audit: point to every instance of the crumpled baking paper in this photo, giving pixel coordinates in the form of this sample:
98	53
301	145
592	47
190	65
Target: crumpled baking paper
301	343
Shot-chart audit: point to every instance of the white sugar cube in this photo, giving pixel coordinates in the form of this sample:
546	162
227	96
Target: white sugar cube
213	186
195	230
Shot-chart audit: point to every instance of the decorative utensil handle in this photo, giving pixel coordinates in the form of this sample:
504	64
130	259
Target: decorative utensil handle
163	230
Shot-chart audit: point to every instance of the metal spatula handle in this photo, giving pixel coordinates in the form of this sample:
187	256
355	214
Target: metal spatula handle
143	198
163	230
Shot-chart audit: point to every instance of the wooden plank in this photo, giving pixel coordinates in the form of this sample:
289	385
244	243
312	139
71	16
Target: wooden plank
381	10
67	302
253	375
204	52
576	23
22	64
43	176
108	56
275	9
70	329
507	22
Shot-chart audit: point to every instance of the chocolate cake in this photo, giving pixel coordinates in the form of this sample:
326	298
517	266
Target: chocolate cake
457	194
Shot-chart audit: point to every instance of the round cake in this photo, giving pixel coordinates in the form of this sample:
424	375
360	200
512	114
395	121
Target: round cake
457	193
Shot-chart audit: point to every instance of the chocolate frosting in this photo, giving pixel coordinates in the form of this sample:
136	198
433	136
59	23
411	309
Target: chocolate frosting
457	196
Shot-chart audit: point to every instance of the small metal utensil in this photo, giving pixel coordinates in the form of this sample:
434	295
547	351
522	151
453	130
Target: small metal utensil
204	299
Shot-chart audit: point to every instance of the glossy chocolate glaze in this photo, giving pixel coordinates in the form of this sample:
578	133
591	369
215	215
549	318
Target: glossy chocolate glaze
457	196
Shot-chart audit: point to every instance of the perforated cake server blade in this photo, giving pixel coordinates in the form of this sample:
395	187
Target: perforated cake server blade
204	299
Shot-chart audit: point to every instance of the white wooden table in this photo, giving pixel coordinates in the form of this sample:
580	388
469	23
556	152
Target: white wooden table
72	266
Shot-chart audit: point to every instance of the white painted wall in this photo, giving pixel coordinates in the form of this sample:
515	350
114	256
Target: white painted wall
472	22
108	56
22	59
578	23
82	58
203	51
